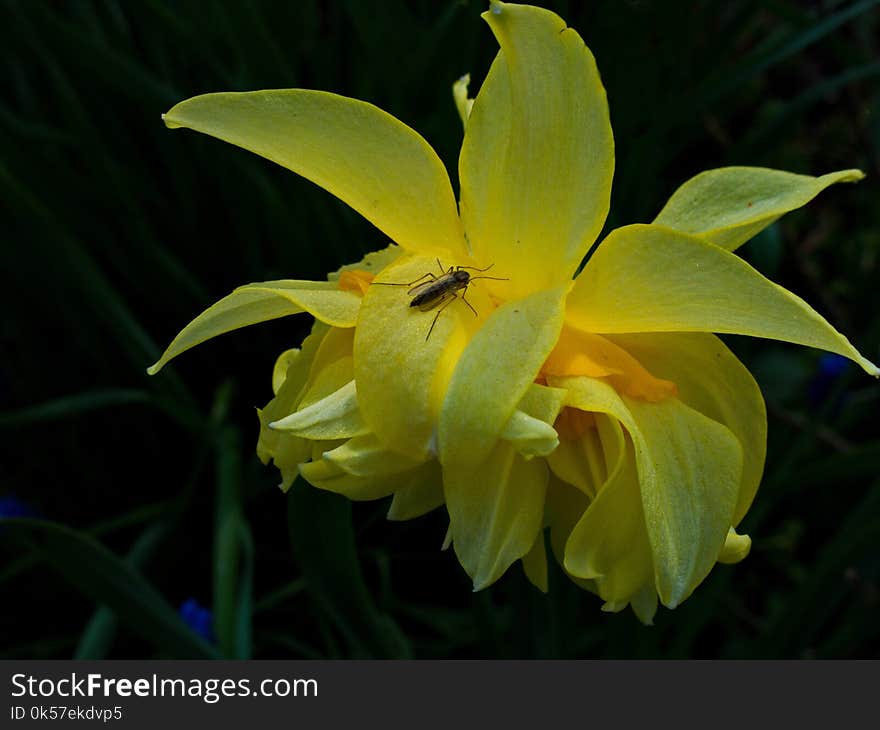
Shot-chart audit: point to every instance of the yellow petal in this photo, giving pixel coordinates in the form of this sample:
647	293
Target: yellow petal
585	353
326	475
288	454
644	604
563	509
538	154
334	417
564	506
423	494
282	365
646	278
729	205
495	371
285	450
365	456
496	510
610	542
372	263
337	344
689	469
402	376
580	462
736	547
326	380
588	458
361	154
529	429
713	381
460	94
261	302
535	563
530	436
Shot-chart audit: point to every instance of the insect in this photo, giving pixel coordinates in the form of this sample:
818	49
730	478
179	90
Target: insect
440	291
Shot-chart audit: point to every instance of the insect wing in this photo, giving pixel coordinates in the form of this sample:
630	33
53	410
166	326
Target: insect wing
421	288
441	298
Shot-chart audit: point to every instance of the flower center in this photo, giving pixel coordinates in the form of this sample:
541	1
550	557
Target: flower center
587	354
355	281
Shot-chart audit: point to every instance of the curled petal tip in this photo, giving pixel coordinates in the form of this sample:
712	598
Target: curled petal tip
154	368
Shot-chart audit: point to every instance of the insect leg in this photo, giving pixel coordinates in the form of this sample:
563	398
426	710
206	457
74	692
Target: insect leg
470	306
423	276
452	295
443	271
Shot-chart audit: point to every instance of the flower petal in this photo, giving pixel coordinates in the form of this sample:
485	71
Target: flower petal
495	371
326	475
689	470
530	436
361	154
585	353
646	278
564	506
335	416
535	563
729	205
365	456
372	263
610	542
580	462
538	154
496	510
286	450
327	379
644	604
282	365
713	381
255	303
423	494
460	95
529	429
401	372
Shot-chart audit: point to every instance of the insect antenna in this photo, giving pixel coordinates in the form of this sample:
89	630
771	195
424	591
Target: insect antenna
397	283
474	268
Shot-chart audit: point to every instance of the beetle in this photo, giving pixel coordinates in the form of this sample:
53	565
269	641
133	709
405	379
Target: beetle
439	291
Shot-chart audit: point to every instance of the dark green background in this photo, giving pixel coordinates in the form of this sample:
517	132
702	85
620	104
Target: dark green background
116	232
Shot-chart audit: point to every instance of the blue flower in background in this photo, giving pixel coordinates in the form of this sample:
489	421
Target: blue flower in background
198	618
12	506
828	372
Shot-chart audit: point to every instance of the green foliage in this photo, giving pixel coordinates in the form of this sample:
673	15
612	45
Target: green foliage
118	231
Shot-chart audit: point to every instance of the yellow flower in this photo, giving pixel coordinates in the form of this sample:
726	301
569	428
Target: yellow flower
598	406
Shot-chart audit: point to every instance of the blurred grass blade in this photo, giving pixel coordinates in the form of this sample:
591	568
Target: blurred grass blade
233	554
323	543
73	405
105	578
98	636
279	596
821	595
759	134
797	41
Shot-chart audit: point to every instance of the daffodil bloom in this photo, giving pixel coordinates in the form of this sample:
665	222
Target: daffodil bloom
598	406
